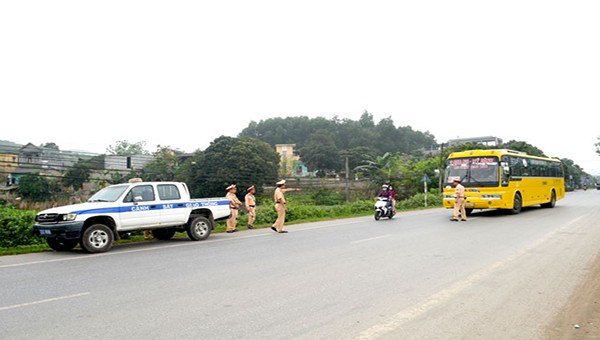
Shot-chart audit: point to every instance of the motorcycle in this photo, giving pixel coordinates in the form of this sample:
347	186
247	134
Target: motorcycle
382	209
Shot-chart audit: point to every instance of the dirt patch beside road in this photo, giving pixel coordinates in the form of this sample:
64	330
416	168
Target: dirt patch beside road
580	317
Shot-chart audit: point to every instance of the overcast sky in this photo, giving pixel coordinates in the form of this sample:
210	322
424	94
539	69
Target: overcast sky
86	74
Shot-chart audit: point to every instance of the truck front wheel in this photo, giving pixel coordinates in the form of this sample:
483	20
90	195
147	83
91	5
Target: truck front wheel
199	228
98	238
61	244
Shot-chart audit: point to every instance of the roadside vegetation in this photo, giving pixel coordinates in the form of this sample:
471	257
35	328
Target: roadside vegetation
341	151
304	206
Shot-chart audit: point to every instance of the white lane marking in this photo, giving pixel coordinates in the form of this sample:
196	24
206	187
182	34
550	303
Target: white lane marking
411	313
186	244
369	239
44	301
440	297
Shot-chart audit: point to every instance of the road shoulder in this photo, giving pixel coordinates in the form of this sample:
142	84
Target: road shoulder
580	317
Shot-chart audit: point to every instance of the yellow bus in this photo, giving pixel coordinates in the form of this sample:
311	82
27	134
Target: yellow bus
503	179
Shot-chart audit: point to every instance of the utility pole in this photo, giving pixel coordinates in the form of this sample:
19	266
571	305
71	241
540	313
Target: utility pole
347	181
441	179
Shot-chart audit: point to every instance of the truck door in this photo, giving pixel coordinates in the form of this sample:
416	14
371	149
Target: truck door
140	208
173	207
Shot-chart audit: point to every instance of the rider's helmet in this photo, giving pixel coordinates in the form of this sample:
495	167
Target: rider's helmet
385	186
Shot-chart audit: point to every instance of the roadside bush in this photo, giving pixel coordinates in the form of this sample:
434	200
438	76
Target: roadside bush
360	207
16	228
34	187
418	201
328	197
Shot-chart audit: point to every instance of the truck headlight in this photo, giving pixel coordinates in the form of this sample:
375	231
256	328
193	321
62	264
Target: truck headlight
69	217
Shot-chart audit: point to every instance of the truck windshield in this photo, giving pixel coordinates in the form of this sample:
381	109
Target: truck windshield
474	171
108	194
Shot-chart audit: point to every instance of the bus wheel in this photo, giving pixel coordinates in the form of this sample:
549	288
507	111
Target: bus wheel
468	211
517	204
552	202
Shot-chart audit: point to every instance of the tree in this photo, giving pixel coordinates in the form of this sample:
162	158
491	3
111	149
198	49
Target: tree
382	137
76	175
412	171
163	167
124	148
380	169
523	147
50	146
34	187
597	145
356	156
228	160
574	174
388	136
321	154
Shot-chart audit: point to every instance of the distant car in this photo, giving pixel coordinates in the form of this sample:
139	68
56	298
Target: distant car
598	185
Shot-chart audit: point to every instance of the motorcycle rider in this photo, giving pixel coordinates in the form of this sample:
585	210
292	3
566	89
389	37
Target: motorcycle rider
386	193
393	193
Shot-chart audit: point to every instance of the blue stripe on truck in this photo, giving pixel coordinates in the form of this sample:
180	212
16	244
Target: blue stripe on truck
159	206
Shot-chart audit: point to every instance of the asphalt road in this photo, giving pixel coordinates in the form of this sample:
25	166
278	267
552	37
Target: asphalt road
418	276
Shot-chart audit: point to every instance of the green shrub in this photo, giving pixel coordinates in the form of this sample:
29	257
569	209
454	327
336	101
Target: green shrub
418	201
16	228
328	197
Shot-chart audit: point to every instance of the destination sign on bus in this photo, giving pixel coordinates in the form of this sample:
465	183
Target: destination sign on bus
473	163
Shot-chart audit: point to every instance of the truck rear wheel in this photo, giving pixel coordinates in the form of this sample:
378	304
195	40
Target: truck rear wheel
98	238
199	228
61	244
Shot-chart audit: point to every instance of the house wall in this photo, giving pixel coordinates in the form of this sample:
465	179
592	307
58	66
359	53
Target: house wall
287	158
8	163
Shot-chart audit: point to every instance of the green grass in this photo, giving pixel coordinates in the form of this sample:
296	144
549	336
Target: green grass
24	249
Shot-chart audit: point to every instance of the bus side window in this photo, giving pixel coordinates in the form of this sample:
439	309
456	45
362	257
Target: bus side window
505	171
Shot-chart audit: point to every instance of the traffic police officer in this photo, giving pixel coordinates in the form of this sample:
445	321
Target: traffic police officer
250	203
234	204
459	201
279	197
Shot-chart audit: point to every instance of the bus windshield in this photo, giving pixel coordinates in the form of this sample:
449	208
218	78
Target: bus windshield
474	171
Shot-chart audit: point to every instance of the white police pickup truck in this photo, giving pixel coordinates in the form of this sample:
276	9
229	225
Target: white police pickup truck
163	207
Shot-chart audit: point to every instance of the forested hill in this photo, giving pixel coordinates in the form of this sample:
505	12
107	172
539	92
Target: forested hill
340	134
